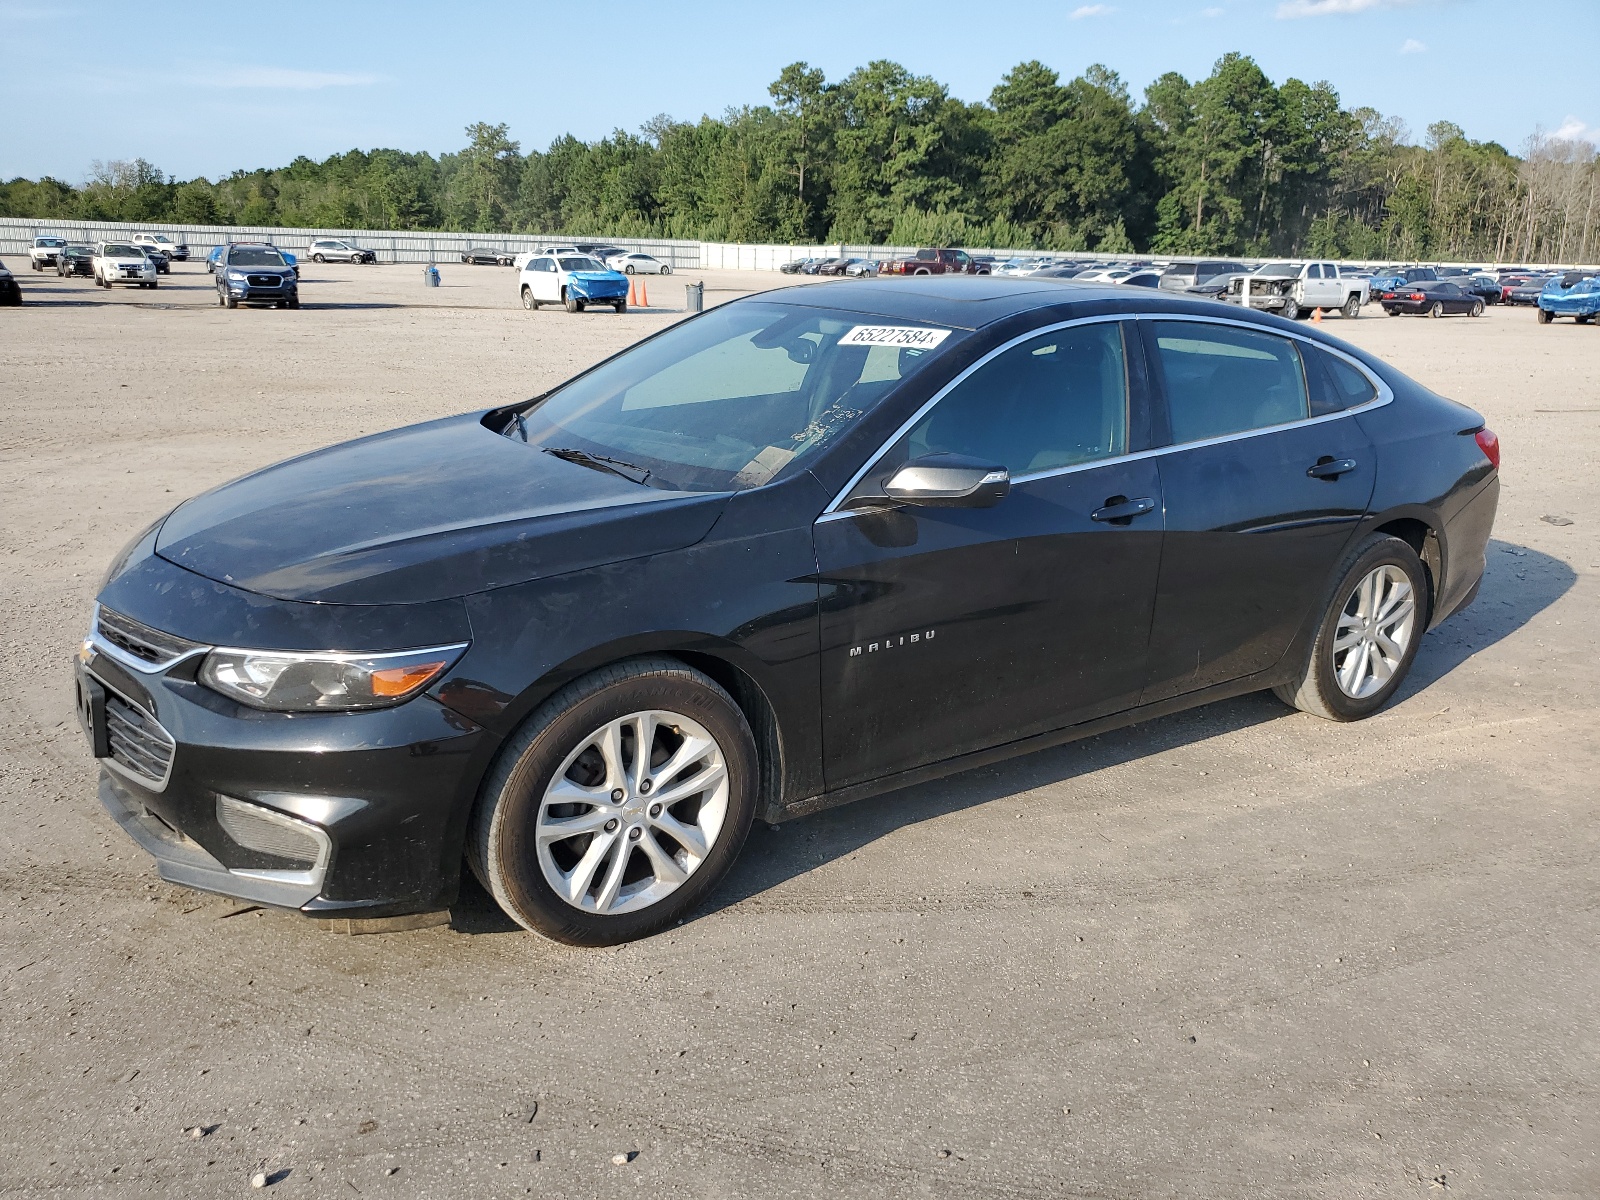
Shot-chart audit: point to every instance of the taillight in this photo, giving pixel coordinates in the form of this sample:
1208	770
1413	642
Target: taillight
1416	296
1490	445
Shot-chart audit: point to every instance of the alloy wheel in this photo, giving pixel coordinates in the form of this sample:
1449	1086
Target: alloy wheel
1374	632
632	813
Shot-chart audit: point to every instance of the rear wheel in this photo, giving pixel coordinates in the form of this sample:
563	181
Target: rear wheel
628	270
618	805
1581	320
621	306
1436	310
1373	623
1545	316
1352	308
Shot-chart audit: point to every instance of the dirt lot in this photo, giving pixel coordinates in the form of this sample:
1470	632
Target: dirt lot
1235	953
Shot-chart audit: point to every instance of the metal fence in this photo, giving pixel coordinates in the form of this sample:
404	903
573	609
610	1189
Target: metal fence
391	246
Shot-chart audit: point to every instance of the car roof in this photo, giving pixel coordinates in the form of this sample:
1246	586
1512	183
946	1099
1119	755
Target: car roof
974	301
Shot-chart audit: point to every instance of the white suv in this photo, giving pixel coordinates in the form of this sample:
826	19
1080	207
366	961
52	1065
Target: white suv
122	262
334	250
175	251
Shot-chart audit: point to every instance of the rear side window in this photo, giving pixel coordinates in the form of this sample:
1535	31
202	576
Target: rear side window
1221	379
1335	384
1055	400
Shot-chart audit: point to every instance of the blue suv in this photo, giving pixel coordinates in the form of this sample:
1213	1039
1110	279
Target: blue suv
255	273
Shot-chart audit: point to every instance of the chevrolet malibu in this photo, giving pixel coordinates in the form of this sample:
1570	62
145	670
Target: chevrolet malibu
800	550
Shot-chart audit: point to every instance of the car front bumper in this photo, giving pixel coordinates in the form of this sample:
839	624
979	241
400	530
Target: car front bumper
248	293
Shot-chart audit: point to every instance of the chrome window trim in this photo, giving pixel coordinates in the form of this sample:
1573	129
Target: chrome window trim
1385	395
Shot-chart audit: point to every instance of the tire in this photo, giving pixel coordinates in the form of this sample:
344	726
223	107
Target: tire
1437	310
571	305
628	270
1476	310
222	301
621	307
1545	316
1393	312
230	301
1352	308
317	258
1291	311
1318	689
666	270
528	302
563	741
294	300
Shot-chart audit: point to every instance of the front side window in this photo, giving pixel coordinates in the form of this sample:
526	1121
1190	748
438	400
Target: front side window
1221	379
1056	400
1314	271
728	399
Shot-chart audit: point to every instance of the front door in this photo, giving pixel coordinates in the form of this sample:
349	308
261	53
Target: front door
1262	500
948	630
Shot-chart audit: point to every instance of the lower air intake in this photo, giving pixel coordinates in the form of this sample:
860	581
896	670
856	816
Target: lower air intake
265	831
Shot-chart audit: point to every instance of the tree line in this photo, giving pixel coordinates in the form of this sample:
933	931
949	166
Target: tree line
1229	164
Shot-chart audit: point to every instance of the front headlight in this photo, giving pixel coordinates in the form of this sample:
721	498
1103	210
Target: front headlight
324	681
236	276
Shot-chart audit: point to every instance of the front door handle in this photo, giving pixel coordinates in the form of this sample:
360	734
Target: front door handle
1331	468
1119	510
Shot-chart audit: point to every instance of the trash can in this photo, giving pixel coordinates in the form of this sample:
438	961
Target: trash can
694	296
430	276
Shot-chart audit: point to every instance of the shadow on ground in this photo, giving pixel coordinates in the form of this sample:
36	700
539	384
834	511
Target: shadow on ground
1520	584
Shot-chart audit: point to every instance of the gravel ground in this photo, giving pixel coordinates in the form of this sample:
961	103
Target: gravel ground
1239	952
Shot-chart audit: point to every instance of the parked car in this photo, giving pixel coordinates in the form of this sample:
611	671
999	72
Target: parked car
44	250
861	268
933	262
338	250
75	258
175	251
1485	287
632	262
123	262
1180	275
574	281
1293	290
793	266
256	273
1214	288
1575	294
1057	273
482	256
213	258
1528	291
1389	279
162	262
834	266
10	290
763	562
1142	279
217	252
1431	298
597	250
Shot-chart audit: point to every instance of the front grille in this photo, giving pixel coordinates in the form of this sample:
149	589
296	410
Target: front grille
140	640
265	281
138	742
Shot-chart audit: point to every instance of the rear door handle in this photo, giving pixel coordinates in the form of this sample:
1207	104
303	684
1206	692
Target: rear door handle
1119	510
1331	468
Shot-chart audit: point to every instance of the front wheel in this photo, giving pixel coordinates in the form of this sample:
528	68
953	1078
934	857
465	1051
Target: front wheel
1370	631
621	306
1291	311
572	304
317	258
1352	308
528	302
1476	310
1545	316
231	301
666	270
619	804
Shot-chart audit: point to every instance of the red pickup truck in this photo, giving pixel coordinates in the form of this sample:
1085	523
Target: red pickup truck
934	262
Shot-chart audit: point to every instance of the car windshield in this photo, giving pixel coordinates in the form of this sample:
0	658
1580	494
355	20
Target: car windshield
255	257
49	242
1278	269
580	264
162	239
728	399
117	250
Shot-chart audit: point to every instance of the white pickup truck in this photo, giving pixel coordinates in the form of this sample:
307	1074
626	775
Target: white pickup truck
1296	289
44	251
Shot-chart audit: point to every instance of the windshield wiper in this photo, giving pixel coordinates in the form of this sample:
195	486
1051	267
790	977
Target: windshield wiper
599	462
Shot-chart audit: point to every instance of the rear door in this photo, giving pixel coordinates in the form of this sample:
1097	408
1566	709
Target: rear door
1262	498
948	630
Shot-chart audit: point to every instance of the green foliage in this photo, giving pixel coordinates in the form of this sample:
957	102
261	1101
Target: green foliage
1229	164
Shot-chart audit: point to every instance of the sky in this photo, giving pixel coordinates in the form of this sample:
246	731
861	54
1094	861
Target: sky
202	88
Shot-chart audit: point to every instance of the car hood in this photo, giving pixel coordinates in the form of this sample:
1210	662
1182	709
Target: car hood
596	277
424	513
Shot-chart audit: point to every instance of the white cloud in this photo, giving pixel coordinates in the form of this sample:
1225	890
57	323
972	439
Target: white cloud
282	79
1090	10
1412	46
1210	12
1290	9
1574	130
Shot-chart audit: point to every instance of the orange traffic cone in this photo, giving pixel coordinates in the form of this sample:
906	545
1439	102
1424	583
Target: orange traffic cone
644	295
633	294
1316	316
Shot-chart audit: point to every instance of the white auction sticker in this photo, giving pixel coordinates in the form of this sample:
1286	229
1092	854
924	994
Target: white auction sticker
894	335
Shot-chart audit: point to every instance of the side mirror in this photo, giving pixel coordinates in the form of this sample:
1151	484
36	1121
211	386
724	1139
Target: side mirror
948	481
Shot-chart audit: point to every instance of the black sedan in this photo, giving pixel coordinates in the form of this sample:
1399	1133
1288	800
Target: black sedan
1485	287
482	256
1527	292
1430	298
161	258
805	548
76	259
